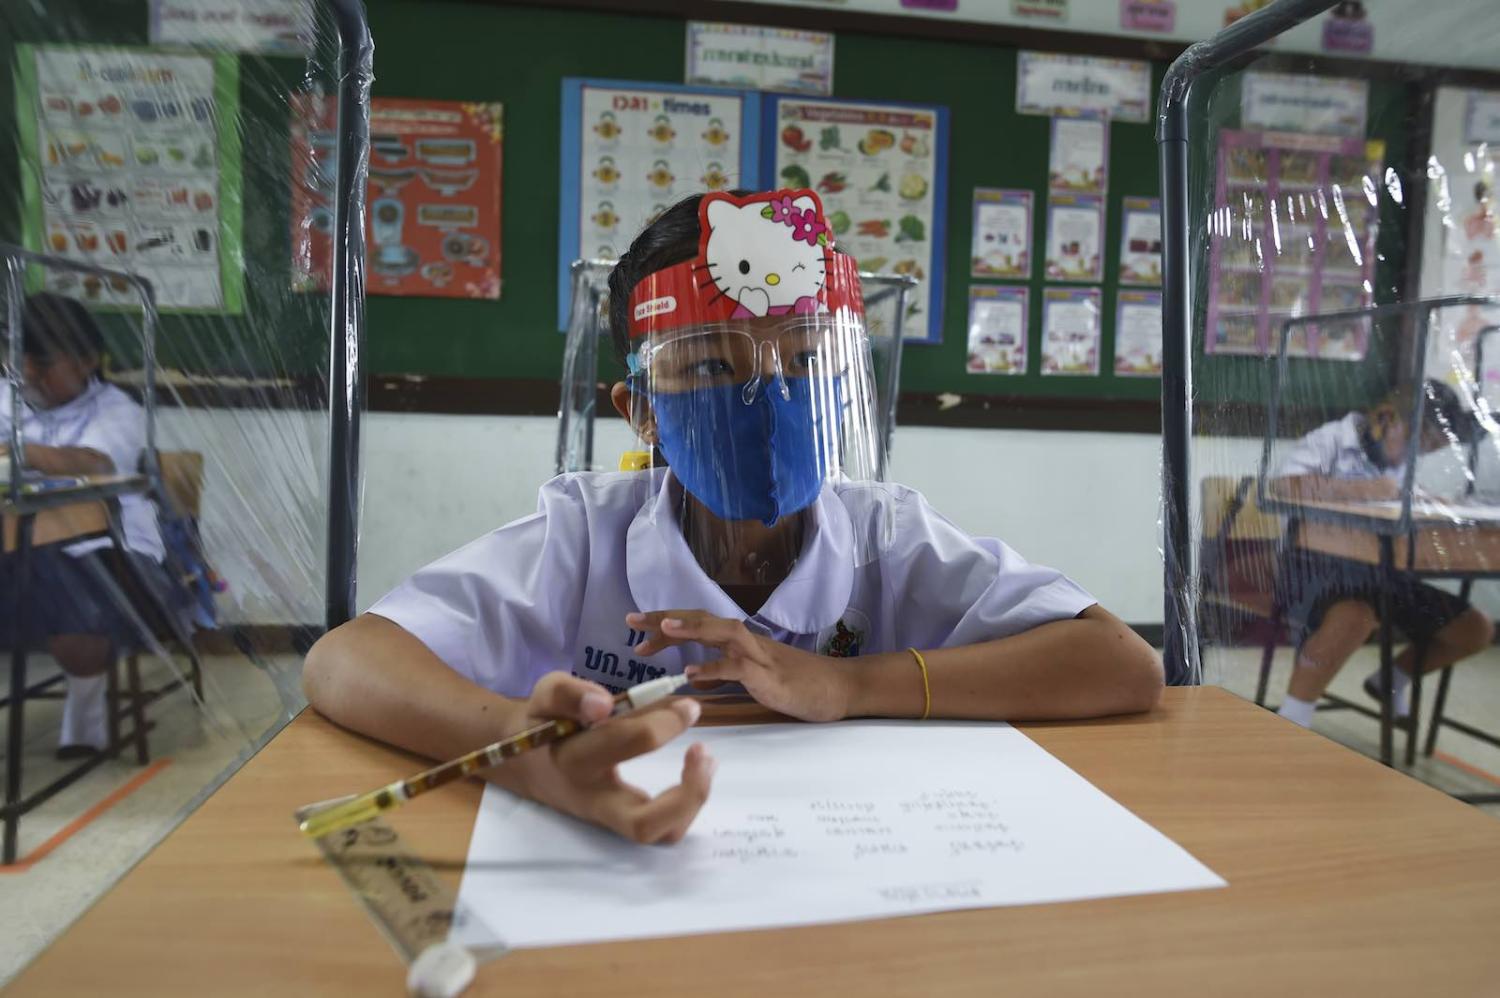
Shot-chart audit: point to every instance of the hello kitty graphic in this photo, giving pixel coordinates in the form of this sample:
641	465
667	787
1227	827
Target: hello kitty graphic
768	256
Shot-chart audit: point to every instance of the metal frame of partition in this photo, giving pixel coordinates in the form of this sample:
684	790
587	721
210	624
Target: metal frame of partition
346	388
1386	529
25	505
1180	655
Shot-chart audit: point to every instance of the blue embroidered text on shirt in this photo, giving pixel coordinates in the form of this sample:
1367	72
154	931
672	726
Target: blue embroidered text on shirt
601	666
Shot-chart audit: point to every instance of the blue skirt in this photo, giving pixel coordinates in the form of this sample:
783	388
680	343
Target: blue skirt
92	593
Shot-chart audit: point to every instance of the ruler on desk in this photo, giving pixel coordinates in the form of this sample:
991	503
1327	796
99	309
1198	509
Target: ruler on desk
397	888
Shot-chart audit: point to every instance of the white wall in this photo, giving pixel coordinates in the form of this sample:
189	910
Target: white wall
1082	502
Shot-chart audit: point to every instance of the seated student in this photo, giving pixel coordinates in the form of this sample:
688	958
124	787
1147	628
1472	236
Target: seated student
74	423
1331	602
751	559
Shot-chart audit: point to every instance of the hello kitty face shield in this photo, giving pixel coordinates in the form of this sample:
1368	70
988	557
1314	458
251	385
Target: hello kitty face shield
754	359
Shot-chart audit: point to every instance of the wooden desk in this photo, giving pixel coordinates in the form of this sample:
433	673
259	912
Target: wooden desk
1345	877
68	519
1436	545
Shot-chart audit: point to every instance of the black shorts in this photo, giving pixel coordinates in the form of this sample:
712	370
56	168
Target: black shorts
1311	583
87	594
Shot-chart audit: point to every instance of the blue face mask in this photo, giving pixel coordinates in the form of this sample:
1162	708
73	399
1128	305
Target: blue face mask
760	460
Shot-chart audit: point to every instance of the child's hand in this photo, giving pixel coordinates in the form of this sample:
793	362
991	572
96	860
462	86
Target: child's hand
580	775
792	682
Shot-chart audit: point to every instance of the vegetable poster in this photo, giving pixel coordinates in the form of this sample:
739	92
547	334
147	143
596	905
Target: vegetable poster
1313	254
432	212
879	169
130	160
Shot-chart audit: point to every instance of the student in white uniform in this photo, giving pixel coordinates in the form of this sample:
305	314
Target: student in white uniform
74	423
761	555
1331	602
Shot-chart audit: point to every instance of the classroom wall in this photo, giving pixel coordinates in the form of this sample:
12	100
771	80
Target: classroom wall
435	482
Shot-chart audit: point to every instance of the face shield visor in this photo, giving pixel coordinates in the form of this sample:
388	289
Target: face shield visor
751	370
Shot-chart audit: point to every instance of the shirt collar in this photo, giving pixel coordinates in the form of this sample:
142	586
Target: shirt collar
76	404
664	575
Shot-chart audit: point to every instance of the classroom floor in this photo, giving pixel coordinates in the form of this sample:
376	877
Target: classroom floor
88	836
190	758
1459	765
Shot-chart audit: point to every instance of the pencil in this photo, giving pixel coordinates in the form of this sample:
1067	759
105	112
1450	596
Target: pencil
346	813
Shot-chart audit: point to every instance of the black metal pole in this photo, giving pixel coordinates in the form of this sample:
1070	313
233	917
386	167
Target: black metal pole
347	322
1179	653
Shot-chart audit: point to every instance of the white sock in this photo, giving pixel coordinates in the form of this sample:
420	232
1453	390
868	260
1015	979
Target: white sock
83	718
1298	711
1400	684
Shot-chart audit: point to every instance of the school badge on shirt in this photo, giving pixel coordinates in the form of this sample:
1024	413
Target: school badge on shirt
846	637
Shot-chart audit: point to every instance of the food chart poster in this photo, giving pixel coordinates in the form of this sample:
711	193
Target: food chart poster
632	150
881	170
432	207
130	160
1315	263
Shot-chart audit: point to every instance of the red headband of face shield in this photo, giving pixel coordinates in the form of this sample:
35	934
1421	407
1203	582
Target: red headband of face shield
768	254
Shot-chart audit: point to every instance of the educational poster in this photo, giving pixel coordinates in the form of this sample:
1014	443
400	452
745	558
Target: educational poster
1138	334
1305	262
1140	242
631	150
644	150
1468	246
878	170
998	326
1294	102
1079	156
1075	237
269	27
1083	86
130	159
432	209
1002	233
1070	330
760	58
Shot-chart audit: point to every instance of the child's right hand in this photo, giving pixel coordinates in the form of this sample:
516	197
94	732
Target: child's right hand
580	775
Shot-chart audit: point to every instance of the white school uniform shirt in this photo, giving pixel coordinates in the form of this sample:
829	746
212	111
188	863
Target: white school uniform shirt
1334	450
550	592
105	419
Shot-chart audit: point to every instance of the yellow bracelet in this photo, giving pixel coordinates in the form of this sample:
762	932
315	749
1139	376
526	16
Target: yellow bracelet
926	689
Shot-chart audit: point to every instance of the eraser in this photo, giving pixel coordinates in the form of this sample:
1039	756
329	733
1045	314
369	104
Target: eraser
442	970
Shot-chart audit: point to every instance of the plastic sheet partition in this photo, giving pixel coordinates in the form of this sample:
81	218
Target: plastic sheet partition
1331	461
180	415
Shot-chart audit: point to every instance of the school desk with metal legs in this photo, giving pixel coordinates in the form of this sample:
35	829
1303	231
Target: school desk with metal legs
34	519
1343	877
1438	543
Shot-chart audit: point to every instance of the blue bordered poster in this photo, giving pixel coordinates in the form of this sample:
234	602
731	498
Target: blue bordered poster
630	150
881	169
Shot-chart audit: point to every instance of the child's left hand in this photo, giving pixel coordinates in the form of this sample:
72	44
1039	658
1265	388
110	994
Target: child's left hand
792	682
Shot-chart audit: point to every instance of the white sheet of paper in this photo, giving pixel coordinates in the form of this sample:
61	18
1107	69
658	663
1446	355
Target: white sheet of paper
821	823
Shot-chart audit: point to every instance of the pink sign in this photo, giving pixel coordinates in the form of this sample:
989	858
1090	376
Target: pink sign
1348	34
1159	16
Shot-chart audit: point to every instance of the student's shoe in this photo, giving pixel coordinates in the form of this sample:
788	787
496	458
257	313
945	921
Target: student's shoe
1401	722
85	727
71	753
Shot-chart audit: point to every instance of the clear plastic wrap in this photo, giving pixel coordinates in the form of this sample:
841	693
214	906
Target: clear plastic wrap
752	388
1330	439
166	413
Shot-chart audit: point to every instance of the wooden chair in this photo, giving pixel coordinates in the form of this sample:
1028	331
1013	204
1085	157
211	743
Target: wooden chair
179	494
1237	567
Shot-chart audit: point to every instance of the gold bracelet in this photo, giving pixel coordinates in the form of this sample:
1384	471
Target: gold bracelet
926	689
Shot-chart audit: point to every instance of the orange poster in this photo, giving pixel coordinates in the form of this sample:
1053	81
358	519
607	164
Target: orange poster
432	212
